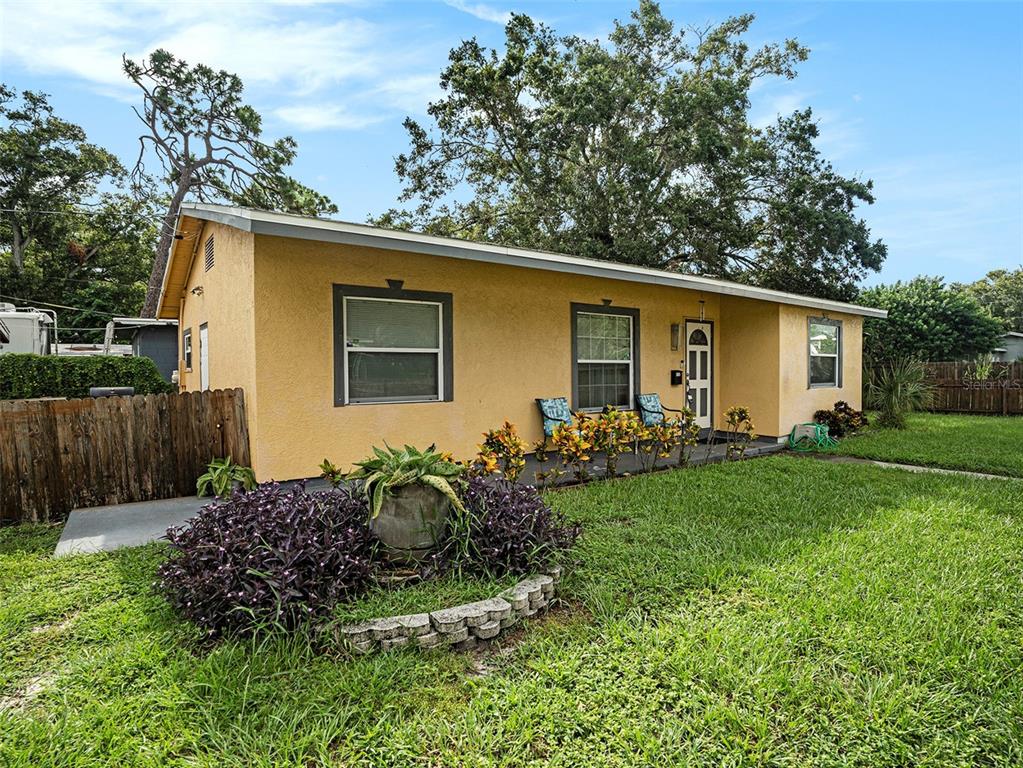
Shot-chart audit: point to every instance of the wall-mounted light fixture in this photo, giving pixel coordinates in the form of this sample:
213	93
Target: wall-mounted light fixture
676	336
197	291
702	302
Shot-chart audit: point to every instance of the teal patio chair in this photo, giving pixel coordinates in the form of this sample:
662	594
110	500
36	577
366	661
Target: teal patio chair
555	413
651	411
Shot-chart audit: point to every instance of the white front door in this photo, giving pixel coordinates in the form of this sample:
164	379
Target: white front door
204	357
699	366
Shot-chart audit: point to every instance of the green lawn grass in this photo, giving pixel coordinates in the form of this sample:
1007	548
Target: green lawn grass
953	441
769	612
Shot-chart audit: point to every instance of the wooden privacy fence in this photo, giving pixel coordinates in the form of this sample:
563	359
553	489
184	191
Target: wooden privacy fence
982	397
56	455
995	389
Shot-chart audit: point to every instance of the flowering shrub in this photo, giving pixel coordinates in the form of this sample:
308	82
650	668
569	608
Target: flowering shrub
842	420
740	431
506	528
268	557
504	451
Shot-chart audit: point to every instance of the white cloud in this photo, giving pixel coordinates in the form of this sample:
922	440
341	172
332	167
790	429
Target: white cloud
300	64
86	40
319	117
780	104
481	11
411	93
947	211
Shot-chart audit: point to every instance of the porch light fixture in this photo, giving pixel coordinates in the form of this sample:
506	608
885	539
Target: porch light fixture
702	302
676	336
197	291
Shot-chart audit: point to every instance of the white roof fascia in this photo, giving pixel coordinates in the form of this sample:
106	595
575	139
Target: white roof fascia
325	230
143	321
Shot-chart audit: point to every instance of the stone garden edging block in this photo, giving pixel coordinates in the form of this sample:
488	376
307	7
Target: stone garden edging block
460	627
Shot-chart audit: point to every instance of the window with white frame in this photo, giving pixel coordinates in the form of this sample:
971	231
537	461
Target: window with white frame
393	349
605	362
825	360
186	347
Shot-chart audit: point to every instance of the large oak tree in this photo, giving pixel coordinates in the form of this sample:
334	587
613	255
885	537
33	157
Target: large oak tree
641	150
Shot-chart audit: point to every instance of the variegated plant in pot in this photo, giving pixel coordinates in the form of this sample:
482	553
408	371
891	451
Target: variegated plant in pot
410	494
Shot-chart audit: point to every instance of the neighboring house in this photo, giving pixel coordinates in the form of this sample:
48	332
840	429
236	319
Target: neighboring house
1010	348
149	337
345	336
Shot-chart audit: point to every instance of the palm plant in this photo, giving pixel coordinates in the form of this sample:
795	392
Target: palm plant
392	468
221	476
896	389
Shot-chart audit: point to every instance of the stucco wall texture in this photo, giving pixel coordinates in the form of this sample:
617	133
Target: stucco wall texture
268	303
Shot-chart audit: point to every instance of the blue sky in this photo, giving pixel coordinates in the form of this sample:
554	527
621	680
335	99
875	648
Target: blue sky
926	99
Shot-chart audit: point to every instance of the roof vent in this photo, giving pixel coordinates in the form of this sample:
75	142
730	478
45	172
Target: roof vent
209	253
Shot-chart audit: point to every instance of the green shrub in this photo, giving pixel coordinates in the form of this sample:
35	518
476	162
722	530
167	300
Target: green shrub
24	376
896	390
842	420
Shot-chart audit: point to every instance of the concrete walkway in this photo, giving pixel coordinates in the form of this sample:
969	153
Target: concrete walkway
906	467
100	529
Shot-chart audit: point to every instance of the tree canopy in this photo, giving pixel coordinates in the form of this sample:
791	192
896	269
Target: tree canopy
210	146
46	169
639	150
927	320
1000	292
71	237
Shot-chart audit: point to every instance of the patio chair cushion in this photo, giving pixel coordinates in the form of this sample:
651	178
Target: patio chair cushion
650	409
555	412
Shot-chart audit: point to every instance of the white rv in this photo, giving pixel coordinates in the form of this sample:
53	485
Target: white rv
27	329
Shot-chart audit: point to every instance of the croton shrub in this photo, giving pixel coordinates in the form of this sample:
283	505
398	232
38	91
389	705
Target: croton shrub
269	557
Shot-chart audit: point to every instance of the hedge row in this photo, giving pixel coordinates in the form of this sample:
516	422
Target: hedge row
23	376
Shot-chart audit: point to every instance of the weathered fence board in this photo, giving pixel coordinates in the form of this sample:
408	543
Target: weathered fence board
965	387
966	371
998	398
56	455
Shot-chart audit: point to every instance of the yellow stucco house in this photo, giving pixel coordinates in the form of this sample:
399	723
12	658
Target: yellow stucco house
345	336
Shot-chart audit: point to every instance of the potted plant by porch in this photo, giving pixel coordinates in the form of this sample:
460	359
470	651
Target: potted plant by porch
409	494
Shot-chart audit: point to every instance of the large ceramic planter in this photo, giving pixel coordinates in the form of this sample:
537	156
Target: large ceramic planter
412	521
